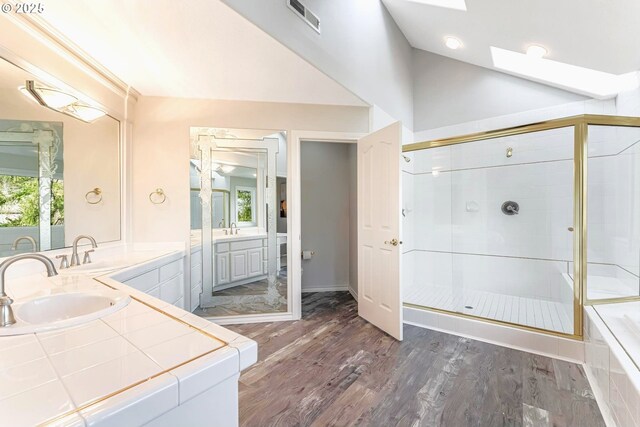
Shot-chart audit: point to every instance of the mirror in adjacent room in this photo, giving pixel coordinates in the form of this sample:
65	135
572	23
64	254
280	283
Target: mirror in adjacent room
59	175
239	240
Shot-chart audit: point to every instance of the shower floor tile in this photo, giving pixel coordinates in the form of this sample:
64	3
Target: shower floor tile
534	312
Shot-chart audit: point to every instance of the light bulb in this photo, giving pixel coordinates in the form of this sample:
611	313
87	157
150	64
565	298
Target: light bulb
452	43
536	51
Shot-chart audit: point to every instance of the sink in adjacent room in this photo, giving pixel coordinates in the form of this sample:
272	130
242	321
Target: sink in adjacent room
64	310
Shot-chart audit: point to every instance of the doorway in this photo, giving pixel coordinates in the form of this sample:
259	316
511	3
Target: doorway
329	217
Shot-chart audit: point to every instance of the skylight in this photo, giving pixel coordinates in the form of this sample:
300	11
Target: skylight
596	84
449	4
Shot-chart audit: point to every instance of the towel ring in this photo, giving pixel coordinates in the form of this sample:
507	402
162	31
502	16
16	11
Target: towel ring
160	198
97	192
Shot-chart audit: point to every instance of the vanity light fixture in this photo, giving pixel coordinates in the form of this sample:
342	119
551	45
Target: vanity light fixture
61	101
452	43
222	168
536	51
83	112
47	97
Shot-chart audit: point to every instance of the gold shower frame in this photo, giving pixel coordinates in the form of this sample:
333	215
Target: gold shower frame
580	126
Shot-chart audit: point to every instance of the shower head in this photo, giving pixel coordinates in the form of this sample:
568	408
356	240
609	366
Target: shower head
406	158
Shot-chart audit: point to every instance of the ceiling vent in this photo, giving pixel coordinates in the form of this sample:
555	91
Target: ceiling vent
301	10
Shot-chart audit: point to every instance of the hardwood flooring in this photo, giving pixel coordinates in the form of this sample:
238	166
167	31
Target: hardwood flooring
334	369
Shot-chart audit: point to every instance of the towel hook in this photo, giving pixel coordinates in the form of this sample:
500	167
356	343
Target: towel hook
97	192
160	196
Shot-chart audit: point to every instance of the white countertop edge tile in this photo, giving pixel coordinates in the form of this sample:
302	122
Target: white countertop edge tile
137	405
73	420
206	372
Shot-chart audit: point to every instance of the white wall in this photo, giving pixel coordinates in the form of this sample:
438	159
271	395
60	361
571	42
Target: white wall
326	170
353	218
447	92
360	47
160	155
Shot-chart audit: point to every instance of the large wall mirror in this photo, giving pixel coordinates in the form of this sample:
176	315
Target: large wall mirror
239	235
59	175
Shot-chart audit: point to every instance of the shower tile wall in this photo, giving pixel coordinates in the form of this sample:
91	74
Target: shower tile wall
457	240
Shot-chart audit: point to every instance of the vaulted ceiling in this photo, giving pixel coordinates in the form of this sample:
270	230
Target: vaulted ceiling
195	49
598	35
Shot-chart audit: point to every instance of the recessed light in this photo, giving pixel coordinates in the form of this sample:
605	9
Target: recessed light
536	51
452	43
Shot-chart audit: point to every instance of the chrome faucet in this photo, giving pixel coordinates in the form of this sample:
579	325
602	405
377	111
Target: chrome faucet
6	312
233	224
34	245
75	259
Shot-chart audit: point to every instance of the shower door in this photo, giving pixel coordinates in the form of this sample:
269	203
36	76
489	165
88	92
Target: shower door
493	229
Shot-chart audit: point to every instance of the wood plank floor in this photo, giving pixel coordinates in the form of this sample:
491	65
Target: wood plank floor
334	369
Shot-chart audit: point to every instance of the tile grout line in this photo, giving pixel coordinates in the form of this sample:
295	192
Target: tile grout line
64	385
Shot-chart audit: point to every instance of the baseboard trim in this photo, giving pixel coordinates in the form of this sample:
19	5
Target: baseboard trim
337	288
251	318
506	336
353	293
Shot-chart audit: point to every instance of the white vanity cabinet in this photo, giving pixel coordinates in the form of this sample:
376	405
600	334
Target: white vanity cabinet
162	278
196	276
240	260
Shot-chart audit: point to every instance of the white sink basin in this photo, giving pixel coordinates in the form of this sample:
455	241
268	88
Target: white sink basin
64	310
95	268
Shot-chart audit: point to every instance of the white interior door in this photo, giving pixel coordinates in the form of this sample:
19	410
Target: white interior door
379	292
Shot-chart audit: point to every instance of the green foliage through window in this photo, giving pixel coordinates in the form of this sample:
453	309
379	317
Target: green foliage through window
20	201
244	206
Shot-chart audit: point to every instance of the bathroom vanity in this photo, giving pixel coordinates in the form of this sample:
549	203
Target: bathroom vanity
143	361
240	259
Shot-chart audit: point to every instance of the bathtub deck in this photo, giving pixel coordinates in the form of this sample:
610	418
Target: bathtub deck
532	312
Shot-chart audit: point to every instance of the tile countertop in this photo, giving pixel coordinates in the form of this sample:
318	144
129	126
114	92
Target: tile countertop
149	355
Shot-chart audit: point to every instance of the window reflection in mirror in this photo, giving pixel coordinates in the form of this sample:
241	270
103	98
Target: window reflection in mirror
31	186
48	163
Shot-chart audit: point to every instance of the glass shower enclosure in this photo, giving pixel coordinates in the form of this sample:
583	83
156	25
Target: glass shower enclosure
496	224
